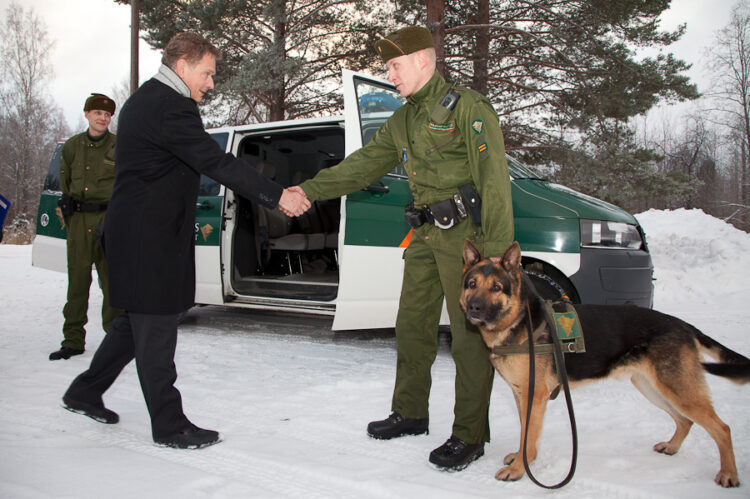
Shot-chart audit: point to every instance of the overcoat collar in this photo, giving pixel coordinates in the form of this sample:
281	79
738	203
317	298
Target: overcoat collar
172	80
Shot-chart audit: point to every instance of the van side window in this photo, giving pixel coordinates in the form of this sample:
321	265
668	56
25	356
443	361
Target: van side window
398	171
376	103
52	180
209	186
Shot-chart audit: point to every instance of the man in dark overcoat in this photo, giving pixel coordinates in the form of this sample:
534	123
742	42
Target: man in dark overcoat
149	238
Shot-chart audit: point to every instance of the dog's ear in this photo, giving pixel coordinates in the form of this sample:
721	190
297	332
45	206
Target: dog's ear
512	257
471	253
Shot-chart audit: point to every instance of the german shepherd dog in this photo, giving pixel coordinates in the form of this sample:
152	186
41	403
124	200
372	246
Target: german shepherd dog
660	354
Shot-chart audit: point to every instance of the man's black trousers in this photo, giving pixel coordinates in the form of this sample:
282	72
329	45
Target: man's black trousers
151	340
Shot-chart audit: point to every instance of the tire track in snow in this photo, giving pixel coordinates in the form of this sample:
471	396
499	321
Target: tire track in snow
278	478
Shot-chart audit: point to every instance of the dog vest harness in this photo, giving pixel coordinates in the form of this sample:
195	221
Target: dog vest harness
568	328
569	331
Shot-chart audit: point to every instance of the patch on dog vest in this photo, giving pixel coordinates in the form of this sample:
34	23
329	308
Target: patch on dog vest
568	326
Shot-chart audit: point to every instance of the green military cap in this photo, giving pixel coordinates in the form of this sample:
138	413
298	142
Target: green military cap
404	41
99	101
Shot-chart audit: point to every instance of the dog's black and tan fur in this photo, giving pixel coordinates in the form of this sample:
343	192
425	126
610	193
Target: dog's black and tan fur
660	354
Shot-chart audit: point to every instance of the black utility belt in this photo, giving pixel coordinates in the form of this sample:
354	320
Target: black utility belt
91	207
68	206
448	212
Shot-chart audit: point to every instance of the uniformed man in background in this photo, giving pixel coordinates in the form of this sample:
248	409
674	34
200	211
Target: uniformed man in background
87	174
450	143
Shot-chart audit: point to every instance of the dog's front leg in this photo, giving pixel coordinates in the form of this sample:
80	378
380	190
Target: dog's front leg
508	460
514	461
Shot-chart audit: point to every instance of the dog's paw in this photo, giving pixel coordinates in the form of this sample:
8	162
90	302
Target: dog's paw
509	474
723	478
666	448
510	458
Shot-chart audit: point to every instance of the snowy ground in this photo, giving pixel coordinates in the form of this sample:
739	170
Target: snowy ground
292	402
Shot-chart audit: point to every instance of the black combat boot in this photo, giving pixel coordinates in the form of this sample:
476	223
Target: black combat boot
455	454
65	353
396	425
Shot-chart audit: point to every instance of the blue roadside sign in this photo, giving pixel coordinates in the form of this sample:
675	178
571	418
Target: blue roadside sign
4	207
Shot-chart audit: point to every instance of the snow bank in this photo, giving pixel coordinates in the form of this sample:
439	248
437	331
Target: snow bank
697	259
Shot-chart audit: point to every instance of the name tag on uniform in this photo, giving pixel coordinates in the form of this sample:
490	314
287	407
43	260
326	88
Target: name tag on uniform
442	127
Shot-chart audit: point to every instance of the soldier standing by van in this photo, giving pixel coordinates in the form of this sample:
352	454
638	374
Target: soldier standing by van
87	174
450	143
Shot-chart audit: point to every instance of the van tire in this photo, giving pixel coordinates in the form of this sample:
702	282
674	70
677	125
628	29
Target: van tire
549	288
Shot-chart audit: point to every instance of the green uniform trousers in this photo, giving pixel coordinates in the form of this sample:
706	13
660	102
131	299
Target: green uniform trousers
84	251
432	270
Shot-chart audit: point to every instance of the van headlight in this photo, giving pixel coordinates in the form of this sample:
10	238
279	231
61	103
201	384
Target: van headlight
605	234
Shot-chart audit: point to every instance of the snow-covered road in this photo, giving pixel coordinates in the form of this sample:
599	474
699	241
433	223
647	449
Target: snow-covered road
292	401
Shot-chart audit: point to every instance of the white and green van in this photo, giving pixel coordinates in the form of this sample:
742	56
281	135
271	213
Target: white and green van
344	256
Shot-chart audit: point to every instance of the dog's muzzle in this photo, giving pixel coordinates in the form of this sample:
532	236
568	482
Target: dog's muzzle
476	312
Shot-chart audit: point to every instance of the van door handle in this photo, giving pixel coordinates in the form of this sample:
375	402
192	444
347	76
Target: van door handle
377	188
205	205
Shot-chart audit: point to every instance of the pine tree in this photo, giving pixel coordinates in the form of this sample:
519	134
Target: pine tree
282	59
564	76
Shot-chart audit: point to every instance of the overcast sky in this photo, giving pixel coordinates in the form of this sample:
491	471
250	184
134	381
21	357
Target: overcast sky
92	44
91	51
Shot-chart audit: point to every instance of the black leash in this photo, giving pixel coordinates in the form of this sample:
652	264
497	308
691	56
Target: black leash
560	360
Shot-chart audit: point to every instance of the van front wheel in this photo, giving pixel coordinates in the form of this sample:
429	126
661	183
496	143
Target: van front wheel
549	287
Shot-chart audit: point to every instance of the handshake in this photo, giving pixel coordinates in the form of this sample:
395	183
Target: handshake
293	201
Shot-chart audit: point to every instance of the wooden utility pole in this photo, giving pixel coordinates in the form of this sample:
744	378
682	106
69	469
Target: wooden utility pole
481	47
134	29
435	18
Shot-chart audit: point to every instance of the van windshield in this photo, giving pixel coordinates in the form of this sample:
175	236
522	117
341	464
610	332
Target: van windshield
519	171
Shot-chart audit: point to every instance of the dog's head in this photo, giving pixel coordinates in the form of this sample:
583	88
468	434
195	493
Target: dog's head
491	290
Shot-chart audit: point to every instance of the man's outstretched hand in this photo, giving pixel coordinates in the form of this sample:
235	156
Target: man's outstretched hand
294	201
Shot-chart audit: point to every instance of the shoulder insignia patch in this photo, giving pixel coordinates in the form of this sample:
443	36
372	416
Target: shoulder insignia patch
442	127
483	152
477	126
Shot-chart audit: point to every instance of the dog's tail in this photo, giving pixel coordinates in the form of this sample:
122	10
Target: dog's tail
730	365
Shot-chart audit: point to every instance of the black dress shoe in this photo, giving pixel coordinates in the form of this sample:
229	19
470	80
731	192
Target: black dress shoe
455	454
396	425
65	353
95	412
191	437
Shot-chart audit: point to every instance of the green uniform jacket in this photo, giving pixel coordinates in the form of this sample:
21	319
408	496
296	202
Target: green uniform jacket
87	174
439	156
87	168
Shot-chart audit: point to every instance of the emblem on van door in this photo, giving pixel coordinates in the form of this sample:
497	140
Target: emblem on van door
44	220
206	230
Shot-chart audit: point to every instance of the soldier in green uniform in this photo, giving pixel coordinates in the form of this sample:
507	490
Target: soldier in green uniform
87	174
450	143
